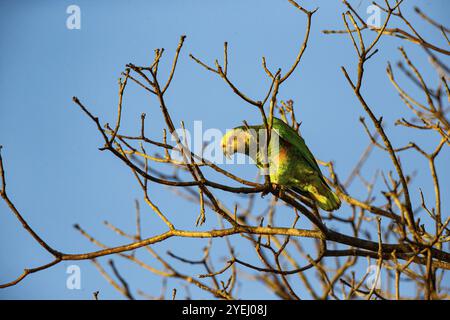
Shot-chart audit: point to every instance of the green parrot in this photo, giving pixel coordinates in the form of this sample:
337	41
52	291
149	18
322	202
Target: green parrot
291	164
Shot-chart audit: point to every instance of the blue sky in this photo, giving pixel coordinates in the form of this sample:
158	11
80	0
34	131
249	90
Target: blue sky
57	176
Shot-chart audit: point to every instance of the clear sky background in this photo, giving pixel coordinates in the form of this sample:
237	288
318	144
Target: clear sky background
57	176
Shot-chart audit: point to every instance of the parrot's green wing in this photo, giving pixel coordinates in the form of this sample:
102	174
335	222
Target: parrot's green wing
290	135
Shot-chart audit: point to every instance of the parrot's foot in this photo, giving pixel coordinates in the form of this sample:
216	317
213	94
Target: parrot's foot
276	189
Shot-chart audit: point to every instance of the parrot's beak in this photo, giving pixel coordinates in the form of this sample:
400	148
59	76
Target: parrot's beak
225	152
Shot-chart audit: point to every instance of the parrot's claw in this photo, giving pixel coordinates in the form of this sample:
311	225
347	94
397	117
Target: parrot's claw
268	188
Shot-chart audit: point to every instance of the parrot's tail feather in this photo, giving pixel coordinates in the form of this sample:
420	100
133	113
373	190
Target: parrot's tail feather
327	200
323	196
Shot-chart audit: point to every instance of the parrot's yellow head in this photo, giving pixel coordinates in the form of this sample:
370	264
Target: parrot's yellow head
235	140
